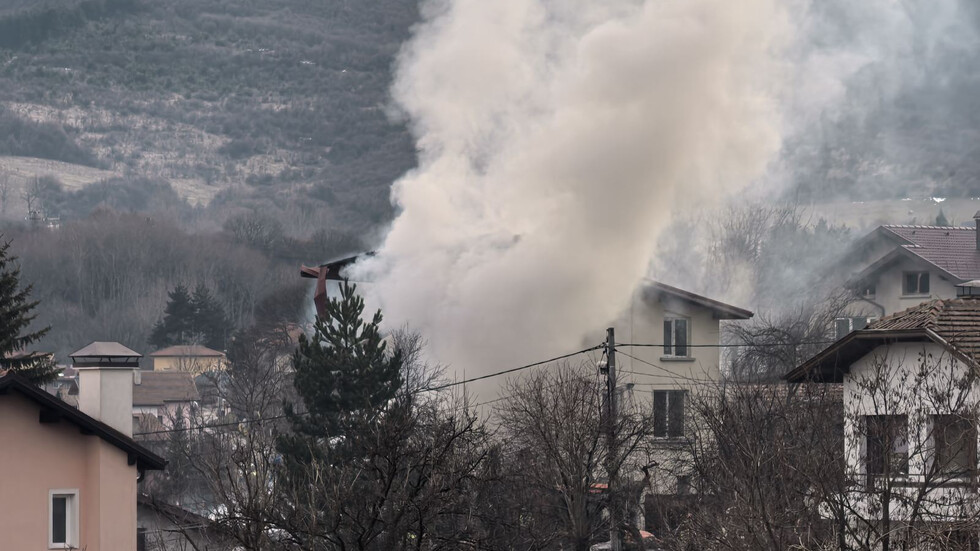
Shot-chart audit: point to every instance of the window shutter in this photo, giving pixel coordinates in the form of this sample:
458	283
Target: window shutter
676	416
660	413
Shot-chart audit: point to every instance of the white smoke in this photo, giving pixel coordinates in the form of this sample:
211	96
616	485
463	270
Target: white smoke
556	141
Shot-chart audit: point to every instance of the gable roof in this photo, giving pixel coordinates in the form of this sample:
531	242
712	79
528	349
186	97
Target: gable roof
187	350
159	387
720	309
950	249
53	408
953	323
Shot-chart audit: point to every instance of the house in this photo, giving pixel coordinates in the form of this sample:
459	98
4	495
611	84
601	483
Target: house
71	474
911	399
668	348
160	396
168	527
897	266
192	358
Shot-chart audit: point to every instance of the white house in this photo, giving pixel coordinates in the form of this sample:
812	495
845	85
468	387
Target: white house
911	402
899	266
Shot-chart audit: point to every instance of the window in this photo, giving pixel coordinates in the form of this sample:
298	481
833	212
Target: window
887	444
668	413
63	519
868	291
843	326
675	337
915	283
955	440
683	485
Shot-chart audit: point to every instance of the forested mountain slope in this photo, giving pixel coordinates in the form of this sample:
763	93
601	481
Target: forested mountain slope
278	105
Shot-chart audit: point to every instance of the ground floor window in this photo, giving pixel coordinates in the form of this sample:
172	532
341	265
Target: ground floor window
63	519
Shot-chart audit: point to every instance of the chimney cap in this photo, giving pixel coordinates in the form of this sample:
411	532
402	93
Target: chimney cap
106	354
976	215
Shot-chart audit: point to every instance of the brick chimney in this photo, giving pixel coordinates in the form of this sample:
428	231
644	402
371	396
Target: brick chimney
105	383
976	221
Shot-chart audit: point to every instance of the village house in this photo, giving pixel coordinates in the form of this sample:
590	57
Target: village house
192	358
898	266
910	404
668	349
71	474
159	397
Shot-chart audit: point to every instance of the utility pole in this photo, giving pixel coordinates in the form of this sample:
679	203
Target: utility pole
612	416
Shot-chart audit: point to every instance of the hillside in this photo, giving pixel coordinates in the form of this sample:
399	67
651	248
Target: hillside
278	105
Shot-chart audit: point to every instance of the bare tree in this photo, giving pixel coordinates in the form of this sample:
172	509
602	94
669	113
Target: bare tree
554	441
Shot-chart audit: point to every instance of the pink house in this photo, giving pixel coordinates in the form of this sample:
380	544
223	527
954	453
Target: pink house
70	475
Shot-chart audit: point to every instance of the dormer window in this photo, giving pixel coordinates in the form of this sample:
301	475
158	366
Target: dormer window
676	337
915	283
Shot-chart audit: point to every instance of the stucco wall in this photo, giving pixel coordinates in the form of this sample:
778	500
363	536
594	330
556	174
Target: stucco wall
644	324
888	291
36	458
872	389
188	363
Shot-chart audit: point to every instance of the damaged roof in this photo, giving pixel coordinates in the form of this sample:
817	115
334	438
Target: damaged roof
720	309
954	323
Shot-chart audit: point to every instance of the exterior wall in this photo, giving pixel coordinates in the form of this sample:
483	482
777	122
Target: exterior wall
107	394
37	458
643	324
888	297
906	392
193	364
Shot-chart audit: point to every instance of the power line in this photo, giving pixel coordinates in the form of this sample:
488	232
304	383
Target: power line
740	345
412	393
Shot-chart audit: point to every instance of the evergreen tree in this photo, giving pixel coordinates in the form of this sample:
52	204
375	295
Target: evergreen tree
15	317
209	319
941	219
177	325
344	374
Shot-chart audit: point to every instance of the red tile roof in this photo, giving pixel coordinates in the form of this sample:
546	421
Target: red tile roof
950	248
952	322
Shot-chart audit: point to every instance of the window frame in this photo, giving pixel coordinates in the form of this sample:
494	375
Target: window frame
918	292
71	518
670	344
852	325
669	423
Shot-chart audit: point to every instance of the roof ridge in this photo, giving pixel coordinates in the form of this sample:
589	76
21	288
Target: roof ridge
926	227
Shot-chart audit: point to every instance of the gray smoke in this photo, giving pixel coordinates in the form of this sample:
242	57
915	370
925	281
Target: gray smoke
556	141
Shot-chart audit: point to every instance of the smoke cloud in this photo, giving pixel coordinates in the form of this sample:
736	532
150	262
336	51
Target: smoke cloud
557	139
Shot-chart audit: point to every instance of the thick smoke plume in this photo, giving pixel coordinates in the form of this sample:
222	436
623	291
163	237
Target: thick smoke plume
557	139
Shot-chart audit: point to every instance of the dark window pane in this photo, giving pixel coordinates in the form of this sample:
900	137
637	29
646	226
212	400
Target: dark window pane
910	284
676	415
858	323
680	337
668	337
887	450
842	326
59	519
955	440
660	413
924	283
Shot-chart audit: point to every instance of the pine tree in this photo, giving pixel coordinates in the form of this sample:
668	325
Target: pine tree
209	320
344	374
941	219
16	317
177	325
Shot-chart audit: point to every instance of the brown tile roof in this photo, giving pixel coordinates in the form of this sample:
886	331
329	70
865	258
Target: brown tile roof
952	249
187	350
951	322
159	387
